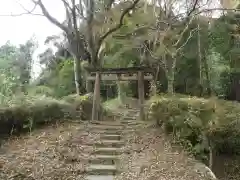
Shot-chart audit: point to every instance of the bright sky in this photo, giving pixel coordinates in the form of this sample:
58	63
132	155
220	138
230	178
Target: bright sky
21	28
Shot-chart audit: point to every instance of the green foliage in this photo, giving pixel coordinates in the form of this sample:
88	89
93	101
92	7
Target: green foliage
61	79
24	113
82	104
196	122
40	90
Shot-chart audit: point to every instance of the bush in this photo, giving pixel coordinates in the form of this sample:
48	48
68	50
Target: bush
198	123
40	90
82	104
24	113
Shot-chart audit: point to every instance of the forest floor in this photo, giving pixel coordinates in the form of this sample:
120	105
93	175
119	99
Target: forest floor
59	152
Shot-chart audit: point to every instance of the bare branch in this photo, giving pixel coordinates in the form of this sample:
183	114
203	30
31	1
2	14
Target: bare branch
49	17
89	35
119	25
66	4
183	32
193	8
80	10
136	30
154	57
109	4
27	12
74	17
189	37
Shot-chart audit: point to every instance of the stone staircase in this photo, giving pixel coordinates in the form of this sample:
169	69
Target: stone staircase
103	160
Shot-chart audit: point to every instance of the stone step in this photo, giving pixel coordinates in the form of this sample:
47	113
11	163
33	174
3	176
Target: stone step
100	177
107	143
108	131
103	159
110	136
110	123
129	122
105	127
132	112
107	151
99	169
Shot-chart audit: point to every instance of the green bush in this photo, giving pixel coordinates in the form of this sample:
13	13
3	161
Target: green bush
198	123
40	90
24	113
82	104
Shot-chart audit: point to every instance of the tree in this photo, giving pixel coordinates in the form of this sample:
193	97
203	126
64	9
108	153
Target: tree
15	67
24	62
83	42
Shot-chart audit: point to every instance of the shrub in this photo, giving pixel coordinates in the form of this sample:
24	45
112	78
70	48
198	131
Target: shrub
24	113
198	123
82	104
41	90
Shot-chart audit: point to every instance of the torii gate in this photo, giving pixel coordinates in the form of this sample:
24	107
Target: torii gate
118	74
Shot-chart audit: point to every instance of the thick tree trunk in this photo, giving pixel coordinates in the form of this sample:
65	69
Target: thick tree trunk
88	84
170	89
170	78
77	74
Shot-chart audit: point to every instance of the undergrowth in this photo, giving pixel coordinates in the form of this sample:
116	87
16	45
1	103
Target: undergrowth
24	113
202	126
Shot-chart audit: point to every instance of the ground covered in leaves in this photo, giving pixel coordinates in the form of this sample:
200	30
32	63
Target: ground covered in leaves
56	152
151	156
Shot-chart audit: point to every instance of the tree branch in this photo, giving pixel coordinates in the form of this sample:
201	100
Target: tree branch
49	17
193	8
109	4
120	24
89	34
189	37
136	30
27	12
183	32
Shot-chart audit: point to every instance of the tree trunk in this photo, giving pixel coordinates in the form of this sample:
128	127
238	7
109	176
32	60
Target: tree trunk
171	76
208	82
210	163
120	92
89	88
170	89
199	58
141	94
154	82
88	83
77	74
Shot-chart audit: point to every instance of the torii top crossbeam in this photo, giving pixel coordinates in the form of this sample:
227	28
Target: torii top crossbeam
120	70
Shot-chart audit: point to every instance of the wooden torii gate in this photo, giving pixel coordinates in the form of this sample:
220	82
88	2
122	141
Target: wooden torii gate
118	74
